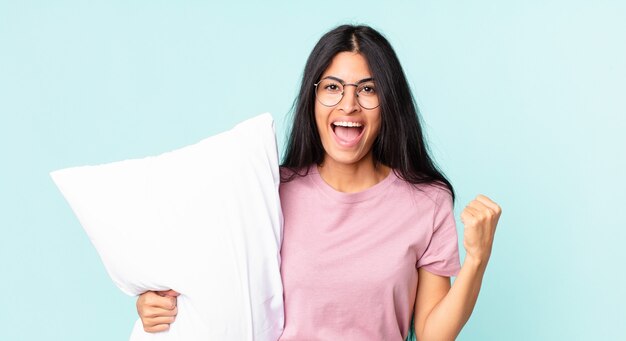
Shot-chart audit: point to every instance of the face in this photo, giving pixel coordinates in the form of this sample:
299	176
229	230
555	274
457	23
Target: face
347	130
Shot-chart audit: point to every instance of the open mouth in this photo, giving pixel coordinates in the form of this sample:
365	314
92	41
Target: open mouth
348	133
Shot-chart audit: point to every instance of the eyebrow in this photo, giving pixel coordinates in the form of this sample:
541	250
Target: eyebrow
344	82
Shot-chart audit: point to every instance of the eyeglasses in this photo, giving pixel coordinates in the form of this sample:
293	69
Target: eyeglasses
329	92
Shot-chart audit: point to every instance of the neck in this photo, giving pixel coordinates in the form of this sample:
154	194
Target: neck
350	178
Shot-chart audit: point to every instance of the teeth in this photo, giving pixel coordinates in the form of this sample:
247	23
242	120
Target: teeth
348	124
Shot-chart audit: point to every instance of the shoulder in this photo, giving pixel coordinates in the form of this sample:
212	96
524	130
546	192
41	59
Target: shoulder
294	179
288	174
435	193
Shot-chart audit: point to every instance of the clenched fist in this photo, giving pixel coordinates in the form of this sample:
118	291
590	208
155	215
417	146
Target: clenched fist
480	218
157	310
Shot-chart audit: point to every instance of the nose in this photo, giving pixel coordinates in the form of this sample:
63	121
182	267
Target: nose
349	102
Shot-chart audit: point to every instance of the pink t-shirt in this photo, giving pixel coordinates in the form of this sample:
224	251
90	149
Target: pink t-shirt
349	260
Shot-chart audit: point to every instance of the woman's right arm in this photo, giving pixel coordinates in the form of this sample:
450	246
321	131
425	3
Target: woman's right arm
157	310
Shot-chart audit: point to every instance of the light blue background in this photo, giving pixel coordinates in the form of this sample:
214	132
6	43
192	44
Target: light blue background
522	101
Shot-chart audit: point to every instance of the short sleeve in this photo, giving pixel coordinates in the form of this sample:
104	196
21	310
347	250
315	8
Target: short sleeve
442	254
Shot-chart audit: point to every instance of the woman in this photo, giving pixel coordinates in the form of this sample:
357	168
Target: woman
369	232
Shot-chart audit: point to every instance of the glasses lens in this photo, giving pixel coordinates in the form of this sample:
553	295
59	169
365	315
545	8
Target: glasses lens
329	92
367	95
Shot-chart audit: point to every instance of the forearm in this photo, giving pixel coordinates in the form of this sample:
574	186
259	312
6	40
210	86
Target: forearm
449	316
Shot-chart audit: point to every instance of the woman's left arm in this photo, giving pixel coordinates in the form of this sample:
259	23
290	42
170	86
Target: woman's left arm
441	311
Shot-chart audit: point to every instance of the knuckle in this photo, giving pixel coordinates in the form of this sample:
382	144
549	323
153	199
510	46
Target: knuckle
151	313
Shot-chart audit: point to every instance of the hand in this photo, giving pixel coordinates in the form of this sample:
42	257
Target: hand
157	310
480	218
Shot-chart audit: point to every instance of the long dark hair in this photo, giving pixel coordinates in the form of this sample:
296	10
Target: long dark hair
400	143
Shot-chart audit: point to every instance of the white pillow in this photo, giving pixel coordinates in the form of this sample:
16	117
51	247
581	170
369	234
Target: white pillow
204	220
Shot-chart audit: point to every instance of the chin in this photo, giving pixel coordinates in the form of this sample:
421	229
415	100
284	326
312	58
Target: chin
348	158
